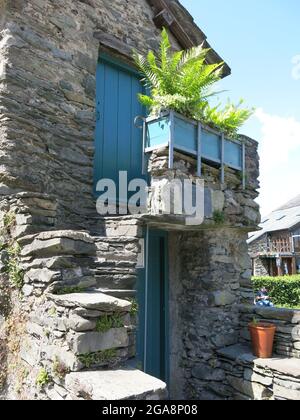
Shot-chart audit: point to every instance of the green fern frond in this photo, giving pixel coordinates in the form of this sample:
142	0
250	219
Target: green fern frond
198	54
184	82
165	47
146	101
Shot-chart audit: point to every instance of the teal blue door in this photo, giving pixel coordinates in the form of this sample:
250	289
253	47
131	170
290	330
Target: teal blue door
118	144
153	331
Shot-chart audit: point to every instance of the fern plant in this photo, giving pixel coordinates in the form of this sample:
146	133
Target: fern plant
183	81
229	119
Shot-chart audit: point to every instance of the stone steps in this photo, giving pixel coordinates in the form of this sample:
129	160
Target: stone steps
256	379
117	248
119	293
81	338
115	265
119	384
91	300
115	282
91	355
82	330
90	333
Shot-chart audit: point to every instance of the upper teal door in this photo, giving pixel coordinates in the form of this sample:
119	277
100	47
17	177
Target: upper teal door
118	141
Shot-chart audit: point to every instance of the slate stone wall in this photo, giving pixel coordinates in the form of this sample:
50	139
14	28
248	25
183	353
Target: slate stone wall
287	321
204	308
249	378
48	57
260	264
226	203
210	273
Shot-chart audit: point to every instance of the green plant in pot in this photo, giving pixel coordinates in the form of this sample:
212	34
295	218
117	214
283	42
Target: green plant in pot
182	81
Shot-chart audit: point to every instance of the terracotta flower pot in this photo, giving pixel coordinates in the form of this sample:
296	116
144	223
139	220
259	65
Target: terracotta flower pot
262	337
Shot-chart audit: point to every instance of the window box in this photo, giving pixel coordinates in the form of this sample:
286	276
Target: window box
193	138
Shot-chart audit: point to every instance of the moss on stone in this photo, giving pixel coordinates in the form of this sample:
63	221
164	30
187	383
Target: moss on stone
105	357
107	322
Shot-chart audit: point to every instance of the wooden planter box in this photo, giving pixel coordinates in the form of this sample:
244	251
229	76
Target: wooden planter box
193	138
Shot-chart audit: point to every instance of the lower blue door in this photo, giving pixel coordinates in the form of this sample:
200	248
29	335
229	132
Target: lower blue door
153	334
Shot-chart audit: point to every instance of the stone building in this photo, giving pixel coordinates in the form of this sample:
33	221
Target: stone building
275	248
125	306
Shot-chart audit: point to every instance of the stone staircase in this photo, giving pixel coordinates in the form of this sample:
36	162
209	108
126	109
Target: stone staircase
79	332
79	327
120	384
249	378
115	266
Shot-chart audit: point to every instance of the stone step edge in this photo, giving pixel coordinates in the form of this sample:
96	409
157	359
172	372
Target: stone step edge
242	354
117	384
91	299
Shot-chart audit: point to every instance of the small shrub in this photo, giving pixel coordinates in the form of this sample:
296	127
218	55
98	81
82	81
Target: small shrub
14	271
134	307
68	290
43	378
219	217
284	291
255	321
105	323
9	220
105	357
52	312
59	369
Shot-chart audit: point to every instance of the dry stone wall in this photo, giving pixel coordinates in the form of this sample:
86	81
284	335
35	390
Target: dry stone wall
212	272
68	324
287	339
248	378
211	266
65	319
76	270
225	204
260	264
48	57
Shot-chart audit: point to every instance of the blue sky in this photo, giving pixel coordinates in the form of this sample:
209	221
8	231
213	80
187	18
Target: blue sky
260	40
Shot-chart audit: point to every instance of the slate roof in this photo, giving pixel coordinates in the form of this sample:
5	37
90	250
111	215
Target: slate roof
284	218
295	202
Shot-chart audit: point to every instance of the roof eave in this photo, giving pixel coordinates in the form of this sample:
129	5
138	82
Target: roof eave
172	15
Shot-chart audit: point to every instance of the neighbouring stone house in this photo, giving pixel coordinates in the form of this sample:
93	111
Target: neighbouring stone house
112	307
275	248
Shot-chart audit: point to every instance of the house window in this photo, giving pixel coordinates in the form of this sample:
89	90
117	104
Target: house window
297	243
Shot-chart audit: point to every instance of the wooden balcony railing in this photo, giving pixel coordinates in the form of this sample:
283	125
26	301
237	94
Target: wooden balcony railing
278	246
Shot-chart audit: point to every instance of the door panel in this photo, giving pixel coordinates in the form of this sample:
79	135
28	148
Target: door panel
118	145
153	303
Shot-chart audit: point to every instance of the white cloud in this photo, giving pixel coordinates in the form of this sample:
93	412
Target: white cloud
280	160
